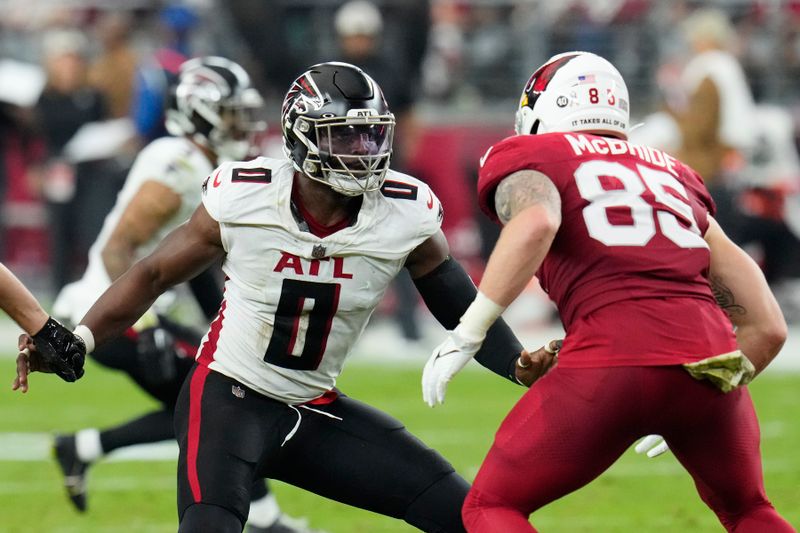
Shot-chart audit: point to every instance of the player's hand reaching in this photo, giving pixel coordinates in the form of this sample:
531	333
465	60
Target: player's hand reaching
446	361
54	349
532	366
652	445
27	362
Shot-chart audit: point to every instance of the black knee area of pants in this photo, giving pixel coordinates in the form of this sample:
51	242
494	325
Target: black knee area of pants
118	353
259	489
438	509
122	354
204	518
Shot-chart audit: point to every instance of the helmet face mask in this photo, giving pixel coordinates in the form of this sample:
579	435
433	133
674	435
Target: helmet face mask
234	137
574	91
215	105
338	129
354	153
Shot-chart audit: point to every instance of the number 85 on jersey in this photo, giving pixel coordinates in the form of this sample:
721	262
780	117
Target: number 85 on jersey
675	219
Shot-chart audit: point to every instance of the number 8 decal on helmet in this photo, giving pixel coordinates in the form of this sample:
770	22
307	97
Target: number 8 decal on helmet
565	94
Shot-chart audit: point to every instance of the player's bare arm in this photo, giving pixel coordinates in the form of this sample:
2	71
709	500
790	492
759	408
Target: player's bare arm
153	205
742	291
19	303
531	213
428	255
523	189
182	255
725	297
529	206
24	309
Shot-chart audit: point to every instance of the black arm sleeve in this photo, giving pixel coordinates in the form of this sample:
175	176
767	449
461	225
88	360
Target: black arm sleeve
447	291
207	292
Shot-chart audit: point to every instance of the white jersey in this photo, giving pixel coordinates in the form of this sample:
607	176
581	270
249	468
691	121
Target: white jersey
171	161
295	304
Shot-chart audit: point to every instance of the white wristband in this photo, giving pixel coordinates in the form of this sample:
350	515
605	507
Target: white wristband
86	335
479	317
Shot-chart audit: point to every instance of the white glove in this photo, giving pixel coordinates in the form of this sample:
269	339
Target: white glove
652	445
445	362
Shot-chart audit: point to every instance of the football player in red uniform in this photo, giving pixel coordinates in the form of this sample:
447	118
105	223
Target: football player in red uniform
649	289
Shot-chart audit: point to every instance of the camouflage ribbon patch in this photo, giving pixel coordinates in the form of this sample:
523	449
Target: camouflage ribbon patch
726	371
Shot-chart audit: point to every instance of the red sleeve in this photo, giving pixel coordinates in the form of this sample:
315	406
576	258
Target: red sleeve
501	160
699	190
703	193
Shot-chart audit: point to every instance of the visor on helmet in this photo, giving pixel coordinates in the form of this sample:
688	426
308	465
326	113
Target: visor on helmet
353	153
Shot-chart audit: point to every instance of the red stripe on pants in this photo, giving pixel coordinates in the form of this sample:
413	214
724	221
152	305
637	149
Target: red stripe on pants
196	387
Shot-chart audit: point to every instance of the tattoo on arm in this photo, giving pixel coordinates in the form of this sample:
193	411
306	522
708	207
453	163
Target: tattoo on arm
523	189
724	297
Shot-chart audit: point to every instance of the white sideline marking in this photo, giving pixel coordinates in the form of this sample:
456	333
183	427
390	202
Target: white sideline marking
38	447
115	484
155	527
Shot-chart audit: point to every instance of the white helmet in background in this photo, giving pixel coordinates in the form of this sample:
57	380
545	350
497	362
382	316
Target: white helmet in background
574	91
215	104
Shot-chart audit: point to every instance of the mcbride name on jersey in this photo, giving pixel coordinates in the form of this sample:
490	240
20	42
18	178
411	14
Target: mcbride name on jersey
629	252
295	304
172	161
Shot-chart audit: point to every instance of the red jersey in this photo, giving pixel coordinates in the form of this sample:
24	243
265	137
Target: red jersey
628	269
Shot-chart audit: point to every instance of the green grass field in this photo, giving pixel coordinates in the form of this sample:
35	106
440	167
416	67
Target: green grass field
637	494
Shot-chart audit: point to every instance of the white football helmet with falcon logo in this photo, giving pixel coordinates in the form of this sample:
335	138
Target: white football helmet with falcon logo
215	104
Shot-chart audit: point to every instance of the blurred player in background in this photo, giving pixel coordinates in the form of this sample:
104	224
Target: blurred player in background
211	117
648	287
309	245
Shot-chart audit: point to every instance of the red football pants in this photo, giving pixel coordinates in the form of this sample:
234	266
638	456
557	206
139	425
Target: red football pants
575	422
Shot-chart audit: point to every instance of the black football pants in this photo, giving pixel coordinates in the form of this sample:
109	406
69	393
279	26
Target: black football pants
122	354
344	450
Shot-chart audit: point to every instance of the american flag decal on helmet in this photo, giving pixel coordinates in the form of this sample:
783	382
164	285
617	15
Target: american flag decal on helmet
251	175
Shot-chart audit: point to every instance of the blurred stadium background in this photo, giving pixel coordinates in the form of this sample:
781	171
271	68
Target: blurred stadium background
81	83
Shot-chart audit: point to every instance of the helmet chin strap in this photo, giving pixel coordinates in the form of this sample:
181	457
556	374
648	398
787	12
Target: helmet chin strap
344	184
339	182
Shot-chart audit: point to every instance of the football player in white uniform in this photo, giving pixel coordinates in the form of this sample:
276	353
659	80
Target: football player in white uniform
211	119
309	245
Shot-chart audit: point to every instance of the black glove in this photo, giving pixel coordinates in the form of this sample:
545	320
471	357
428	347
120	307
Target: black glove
62	352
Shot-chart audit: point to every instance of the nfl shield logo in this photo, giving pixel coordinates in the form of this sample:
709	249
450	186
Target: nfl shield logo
237	391
318	252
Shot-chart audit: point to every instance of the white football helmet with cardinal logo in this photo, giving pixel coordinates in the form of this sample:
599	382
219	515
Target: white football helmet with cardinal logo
574	91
